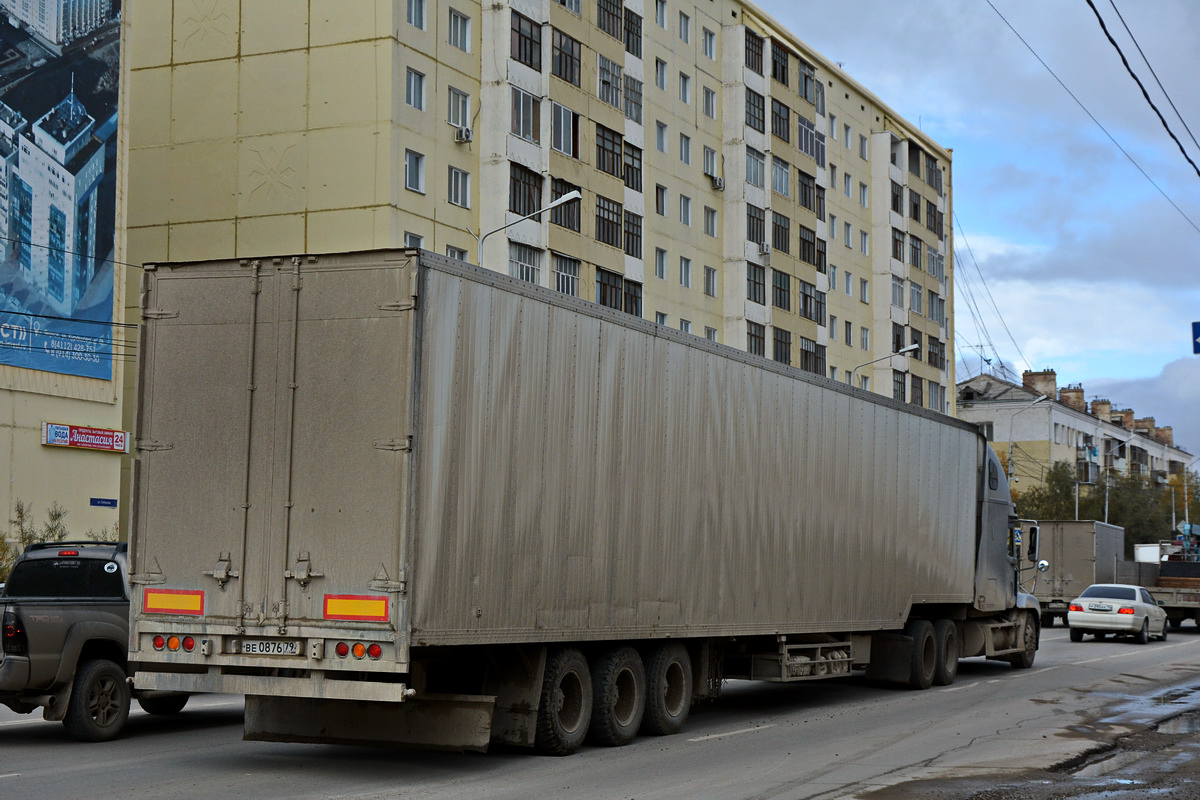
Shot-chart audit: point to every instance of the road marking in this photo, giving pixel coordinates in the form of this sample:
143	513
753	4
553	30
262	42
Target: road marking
11	775
38	721
730	733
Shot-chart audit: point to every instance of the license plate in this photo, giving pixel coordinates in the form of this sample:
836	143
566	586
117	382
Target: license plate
267	647
1099	607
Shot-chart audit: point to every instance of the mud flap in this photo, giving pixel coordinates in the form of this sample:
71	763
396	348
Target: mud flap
891	657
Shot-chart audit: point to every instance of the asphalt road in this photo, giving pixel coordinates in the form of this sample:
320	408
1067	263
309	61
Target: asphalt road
824	739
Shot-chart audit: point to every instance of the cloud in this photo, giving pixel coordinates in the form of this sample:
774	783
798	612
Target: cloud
1170	397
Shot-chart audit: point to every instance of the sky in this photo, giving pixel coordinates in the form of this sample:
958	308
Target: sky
1068	255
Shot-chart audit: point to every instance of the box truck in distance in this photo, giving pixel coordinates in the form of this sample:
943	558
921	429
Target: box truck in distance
395	498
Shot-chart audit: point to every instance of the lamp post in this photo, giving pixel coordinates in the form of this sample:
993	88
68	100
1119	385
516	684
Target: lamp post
566	198
900	352
1010	432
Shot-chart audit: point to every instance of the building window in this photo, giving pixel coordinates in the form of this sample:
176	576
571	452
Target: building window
569	5
685	272
862	147
708	43
710	333
807	187
897	198
633	33
756	339
459	113
849	333
897	337
916	298
633	99
915	249
565	58
897	292
414	89
756	224
414	171
812	356
806	249
633	234
781	290
685	325
710	103
460	31
811	143
633	167
524	190
609	73
660	13
754	51
710	281
756	283
660	200
660	318
685	148
756	111
608	17
413	240
660	74
710	161
660	263
781	120
812	303
608	221
846	231
526	115
609	150
847	184
457	253
567	215
685	87
779	62
864	290
918	393
864	339
781	232
459	189
781	176
526	41
820	209
685	210
863	196
524	262
685	27
914	205
782	346
755	167
416	13
899	379
710	221
807	84
660	136
609	288
937	353
864	243
564	130
566	274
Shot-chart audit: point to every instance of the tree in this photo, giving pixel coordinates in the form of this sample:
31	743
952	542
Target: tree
27	532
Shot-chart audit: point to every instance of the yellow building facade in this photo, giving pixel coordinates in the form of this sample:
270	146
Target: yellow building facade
735	184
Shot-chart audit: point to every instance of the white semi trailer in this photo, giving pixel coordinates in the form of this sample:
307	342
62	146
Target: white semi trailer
394	498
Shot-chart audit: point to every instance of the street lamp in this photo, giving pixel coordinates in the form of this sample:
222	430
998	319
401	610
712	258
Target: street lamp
1010	432
566	198
900	352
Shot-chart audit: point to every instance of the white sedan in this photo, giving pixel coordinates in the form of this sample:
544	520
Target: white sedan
1119	609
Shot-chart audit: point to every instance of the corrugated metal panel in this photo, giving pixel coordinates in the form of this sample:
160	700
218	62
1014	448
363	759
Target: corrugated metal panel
584	476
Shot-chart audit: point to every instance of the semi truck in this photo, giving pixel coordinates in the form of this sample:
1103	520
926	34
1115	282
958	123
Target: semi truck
393	498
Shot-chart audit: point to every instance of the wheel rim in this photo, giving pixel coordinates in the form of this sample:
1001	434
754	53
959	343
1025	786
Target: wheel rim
103	706
625	703
568	702
674	696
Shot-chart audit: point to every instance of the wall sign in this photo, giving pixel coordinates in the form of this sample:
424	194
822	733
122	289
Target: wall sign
57	434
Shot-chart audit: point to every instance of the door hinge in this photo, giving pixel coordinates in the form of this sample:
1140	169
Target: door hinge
153	444
158	313
303	572
222	573
398	306
400	445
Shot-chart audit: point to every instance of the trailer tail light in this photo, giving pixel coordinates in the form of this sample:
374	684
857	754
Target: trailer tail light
14	641
159	641
1125	610
189	644
173	643
374	651
1075	607
342	649
359	650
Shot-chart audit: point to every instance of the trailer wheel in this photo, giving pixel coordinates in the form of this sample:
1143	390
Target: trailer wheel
923	662
668	689
99	703
618	696
945	635
1029	636
565	705
163	705
1076	635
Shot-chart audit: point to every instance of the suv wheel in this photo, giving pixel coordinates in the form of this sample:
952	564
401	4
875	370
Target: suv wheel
99	703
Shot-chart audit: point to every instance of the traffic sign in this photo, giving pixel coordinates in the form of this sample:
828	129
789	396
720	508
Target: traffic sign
1196	337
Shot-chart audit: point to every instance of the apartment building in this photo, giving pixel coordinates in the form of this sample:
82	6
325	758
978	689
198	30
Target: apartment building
735	184
1037	424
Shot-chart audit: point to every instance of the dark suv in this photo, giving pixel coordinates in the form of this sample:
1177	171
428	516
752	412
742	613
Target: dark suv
65	636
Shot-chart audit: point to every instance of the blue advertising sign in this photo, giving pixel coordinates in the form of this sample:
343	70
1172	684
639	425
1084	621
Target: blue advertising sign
105	502
1196	337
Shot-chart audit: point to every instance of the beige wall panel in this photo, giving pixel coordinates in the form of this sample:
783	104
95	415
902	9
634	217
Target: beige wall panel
145	42
203	179
273	93
201	240
205	30
142	245
148	197
345	84
261	236
148	99
272	175
341	231
272	25
337	21
204	101
345	164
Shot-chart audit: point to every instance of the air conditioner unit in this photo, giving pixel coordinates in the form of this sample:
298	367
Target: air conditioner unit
717	183
463	134
764	248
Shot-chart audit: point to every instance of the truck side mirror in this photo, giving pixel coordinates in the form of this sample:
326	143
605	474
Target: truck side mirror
1032	543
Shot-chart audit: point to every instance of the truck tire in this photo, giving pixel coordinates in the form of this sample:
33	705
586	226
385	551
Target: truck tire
945	635
1029	637
565	705
163	705
668	689
923	656
1076	635
99	704
1047	619
618	696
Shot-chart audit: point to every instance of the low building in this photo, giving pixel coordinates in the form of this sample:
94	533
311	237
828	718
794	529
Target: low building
1035	425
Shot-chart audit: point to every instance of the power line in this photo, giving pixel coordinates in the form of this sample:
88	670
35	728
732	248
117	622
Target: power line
1141	86
1093	118
992	299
